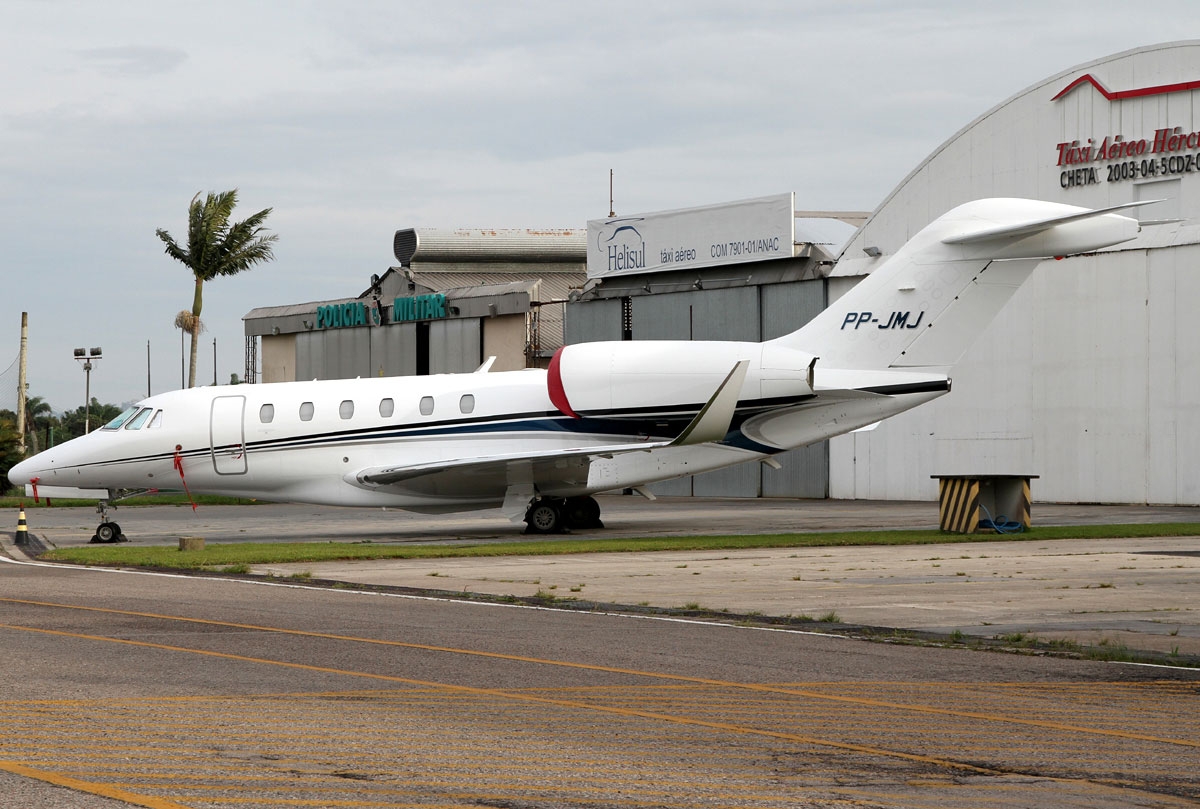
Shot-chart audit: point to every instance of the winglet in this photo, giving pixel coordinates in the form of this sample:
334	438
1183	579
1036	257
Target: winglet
1039	225
713	420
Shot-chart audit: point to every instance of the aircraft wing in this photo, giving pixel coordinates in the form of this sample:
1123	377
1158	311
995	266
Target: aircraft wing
493	476
498	466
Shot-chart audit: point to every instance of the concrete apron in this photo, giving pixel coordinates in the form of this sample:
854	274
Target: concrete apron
1138	593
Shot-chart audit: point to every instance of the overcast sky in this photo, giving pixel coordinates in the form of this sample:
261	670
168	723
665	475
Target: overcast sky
353	119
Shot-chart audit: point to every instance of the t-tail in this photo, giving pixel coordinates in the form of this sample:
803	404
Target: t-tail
926	304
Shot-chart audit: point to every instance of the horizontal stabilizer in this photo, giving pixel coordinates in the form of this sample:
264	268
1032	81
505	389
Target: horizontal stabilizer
1039	225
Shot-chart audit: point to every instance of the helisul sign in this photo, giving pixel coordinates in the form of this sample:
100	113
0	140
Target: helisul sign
709	236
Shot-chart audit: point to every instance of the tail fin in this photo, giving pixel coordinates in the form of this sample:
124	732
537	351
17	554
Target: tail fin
927	303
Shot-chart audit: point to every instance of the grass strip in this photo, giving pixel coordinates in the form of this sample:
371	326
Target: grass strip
220	555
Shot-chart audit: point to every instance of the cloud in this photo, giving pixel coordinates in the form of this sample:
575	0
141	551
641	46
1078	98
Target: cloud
133	60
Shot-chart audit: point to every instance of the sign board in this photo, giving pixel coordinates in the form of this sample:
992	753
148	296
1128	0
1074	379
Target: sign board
404	309
690	238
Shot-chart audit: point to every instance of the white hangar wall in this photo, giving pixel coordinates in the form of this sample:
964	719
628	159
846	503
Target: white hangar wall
1090	376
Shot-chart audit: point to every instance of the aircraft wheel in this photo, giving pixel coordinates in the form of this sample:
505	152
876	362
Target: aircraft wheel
108	532
583	512
544	517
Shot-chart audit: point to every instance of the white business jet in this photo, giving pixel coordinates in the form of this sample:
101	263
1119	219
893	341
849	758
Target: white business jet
538	443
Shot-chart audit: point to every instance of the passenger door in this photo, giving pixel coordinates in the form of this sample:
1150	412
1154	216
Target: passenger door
227	435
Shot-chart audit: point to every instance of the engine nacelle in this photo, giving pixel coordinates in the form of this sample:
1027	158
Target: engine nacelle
648	376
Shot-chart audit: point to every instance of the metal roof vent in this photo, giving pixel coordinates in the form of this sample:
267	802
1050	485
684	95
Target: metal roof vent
404	245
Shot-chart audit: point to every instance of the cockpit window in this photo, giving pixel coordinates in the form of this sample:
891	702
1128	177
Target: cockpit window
156	421
137	421
116	423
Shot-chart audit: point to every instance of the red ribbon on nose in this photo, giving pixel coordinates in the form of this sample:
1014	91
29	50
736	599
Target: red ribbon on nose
179	468
33	482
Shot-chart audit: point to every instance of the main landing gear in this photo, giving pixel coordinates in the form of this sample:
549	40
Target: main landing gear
556	515
107	531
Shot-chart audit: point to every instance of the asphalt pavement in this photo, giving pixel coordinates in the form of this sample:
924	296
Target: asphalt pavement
1137	593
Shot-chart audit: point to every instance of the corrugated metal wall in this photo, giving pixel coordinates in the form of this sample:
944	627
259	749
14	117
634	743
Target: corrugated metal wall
455	345
592	321
751	313
348	353
394	350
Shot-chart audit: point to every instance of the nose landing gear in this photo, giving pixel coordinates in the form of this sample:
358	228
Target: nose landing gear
107	531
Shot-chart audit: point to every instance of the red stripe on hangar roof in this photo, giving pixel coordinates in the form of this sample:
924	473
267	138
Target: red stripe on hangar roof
1117	95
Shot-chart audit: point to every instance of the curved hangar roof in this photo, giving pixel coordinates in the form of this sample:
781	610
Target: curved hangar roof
1122	128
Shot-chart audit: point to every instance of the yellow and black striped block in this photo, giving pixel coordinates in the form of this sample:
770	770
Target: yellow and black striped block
1023	515
958	505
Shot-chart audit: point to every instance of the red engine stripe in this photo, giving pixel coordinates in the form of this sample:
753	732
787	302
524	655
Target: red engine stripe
554	386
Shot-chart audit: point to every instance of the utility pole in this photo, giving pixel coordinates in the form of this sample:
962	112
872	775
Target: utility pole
21	379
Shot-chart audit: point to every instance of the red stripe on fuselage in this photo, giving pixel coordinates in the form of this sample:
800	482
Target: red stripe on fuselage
554	386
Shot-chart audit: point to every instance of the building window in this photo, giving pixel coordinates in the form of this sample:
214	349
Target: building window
426	405
386	408
346	409
266	413
306	411
467	403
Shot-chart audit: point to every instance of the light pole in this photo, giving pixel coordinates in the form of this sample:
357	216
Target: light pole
86	357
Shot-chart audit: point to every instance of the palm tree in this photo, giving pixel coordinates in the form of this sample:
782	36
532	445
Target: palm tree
38	415
217	247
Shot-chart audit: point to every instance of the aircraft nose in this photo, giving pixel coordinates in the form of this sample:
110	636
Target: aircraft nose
22	473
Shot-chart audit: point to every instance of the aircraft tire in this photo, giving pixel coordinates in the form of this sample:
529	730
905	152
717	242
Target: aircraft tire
583	512
544	517
108	532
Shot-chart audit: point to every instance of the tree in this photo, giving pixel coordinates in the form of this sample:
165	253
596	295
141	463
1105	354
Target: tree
216	247
72	421
39	417
10	449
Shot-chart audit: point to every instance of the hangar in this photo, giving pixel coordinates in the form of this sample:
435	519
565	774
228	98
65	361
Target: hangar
1089	378
456	297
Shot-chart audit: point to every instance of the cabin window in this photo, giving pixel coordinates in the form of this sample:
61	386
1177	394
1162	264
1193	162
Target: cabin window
306	411
156	421
137	421
426	405
386	408
266	413
467	403
121	419
346	409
